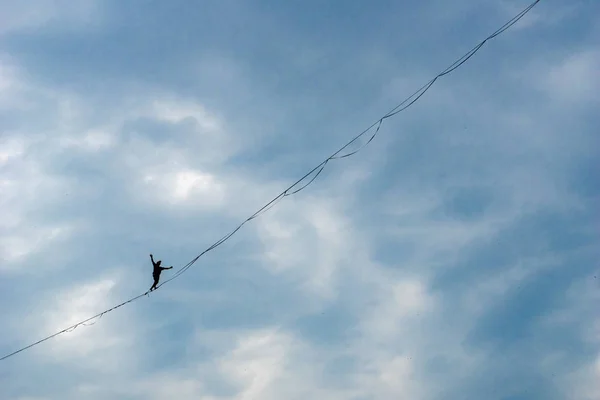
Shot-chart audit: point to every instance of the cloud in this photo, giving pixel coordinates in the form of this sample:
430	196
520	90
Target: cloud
33	14
24	184
454	256
286	234
539	16
575	78
72	306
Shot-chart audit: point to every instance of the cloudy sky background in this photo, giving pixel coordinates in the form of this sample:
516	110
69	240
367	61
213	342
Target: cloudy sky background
455	257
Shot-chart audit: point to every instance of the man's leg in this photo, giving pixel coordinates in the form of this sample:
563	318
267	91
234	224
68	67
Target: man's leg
155	283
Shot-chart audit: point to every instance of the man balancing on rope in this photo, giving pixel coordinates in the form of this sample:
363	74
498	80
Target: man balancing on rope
156	273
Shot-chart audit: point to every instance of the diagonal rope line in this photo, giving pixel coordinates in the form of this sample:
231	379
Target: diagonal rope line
410	100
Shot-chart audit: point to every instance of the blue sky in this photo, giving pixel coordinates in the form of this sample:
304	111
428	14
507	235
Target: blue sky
455	257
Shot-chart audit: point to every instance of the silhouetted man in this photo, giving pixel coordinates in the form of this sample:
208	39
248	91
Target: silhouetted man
156	273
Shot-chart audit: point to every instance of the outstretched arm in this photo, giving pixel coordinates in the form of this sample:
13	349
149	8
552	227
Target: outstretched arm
171	267
152	258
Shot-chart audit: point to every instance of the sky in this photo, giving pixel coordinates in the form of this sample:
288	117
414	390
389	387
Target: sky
454	257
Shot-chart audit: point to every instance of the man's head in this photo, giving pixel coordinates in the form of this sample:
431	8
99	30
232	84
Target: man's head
158	262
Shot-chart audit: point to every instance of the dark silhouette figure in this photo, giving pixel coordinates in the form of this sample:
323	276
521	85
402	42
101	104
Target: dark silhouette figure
156	273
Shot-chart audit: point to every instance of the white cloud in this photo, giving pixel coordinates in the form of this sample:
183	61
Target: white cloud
590	388
6	77
582	384
207	139
177	111
33	14
187	181
11	85
178	384
14	247
316	223
538	16
266	363
10	150
32	398
184	186
77	304
396	301
256	363
491	289
580	311
575	79
25	186
394	378
93	140
102	343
